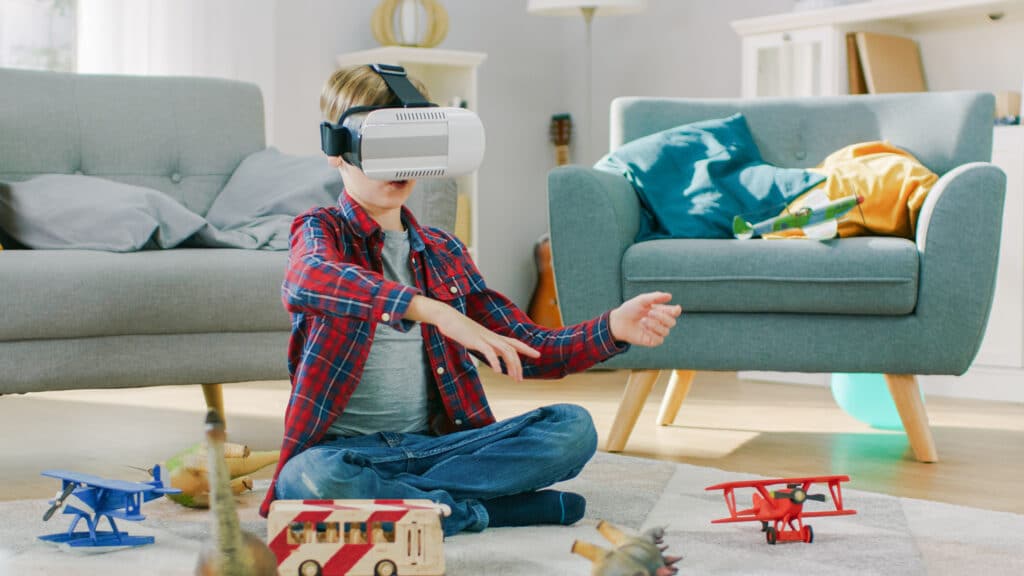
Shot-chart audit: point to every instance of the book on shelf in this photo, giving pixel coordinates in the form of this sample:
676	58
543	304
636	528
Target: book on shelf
888	64
854	70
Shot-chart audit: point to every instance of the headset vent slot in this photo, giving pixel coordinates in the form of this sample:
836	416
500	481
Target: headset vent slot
421	116
406	174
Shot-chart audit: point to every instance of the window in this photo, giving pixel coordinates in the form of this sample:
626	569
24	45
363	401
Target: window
38	34
382	532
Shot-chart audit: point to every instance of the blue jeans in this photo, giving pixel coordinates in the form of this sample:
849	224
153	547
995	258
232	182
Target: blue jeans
521	454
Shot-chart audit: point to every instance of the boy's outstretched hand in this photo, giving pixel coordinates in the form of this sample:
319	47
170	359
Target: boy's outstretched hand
644	320
466	331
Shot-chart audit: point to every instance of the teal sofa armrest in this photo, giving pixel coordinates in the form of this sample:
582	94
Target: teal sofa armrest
594	217
958	233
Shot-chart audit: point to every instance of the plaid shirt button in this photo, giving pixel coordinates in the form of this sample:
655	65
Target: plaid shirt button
458	422
440	369
454	289
385	317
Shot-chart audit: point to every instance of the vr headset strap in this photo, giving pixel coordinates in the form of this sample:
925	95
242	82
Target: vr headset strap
398	82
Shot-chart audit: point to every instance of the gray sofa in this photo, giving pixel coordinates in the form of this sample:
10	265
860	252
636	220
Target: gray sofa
90	319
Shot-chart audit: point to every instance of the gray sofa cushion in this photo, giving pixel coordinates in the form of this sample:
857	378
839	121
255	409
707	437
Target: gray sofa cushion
269	183
86	293
59	211
863	275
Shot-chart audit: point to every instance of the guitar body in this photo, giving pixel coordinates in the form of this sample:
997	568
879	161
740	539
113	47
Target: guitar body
544	304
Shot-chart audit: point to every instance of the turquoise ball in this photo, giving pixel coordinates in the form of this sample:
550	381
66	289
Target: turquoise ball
866	397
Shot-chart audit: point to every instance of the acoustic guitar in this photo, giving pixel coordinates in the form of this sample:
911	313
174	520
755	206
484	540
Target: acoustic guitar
544	303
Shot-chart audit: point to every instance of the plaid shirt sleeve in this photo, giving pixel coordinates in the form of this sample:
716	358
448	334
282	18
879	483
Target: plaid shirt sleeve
563	351
321	278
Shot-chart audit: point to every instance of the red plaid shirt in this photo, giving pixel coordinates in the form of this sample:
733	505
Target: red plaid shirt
336	295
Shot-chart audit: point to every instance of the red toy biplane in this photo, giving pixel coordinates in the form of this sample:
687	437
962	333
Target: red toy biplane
781	512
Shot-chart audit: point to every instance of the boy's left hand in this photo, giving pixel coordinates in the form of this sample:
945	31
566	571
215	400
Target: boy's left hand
644	320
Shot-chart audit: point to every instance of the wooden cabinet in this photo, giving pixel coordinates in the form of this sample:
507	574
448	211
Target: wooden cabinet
451	78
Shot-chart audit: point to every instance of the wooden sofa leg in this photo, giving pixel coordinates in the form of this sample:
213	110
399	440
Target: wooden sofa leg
214	395
907	395
638	387
678	388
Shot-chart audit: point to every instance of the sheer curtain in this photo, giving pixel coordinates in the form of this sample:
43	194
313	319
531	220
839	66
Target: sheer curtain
216	38
37	34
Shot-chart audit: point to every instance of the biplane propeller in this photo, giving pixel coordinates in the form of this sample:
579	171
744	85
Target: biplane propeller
59	501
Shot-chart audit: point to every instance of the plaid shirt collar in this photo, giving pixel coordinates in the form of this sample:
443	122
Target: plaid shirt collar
365	226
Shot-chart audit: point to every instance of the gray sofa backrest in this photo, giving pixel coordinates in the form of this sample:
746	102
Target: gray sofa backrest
941	129
182	136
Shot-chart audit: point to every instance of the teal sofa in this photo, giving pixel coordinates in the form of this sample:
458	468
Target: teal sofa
867	304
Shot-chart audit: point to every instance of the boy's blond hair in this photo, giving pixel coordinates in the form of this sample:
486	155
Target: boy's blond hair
357	86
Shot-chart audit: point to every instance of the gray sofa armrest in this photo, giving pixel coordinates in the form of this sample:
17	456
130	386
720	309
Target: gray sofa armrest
594	217
958	233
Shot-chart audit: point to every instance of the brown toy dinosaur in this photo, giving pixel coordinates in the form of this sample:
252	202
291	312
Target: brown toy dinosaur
632	556
233	552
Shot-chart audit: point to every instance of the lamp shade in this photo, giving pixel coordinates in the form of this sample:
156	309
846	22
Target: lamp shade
573	7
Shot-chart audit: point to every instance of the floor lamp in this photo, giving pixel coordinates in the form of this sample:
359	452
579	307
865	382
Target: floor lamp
588	9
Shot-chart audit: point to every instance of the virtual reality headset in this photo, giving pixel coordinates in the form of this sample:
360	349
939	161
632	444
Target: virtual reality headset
412	139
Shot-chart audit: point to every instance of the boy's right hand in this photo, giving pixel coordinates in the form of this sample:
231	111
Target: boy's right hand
464	330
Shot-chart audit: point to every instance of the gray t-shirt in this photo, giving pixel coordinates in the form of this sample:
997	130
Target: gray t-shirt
392	394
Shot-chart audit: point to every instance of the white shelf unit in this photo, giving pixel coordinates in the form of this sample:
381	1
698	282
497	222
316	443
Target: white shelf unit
448	75
804	54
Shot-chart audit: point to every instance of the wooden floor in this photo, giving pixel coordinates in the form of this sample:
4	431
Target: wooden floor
756	427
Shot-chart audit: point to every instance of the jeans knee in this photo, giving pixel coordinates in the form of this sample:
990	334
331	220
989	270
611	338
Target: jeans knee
581	436
312	475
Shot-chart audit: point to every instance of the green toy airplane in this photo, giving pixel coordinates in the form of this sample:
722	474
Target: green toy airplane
811	216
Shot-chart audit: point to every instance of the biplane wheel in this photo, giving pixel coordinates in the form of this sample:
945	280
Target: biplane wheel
771	535
310	568
385	568
764	526
808	534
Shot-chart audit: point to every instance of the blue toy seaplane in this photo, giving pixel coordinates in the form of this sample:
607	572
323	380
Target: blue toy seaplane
94	498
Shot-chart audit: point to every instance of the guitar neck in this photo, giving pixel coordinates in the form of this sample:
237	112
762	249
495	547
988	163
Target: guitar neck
561	154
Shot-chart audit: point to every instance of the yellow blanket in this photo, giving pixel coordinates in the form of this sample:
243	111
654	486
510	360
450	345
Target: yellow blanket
893	183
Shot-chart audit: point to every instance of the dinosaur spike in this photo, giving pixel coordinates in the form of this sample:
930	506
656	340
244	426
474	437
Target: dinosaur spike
611	533
591	552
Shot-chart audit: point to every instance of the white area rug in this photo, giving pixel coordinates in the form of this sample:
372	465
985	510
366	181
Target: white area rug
888	535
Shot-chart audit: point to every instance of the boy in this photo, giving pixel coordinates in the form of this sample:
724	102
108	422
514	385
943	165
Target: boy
386	402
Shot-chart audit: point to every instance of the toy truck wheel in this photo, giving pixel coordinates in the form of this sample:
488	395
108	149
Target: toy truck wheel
771	535
385	568
808	534
310	568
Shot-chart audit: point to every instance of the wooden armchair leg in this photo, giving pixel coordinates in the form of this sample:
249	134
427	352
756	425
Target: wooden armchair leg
678	388
907	395
214	395
638	387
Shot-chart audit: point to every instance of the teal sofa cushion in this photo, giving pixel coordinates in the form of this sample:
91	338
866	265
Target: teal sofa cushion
693	179
869	275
